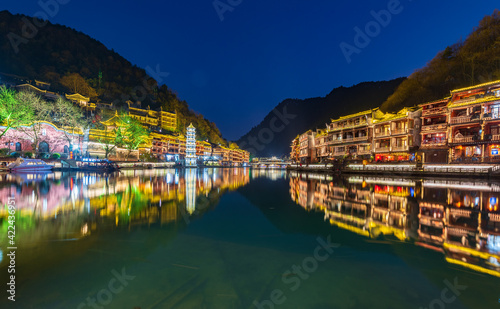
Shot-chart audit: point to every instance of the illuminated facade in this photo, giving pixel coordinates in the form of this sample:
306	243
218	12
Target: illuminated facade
464	128
434	131
350	136
474	117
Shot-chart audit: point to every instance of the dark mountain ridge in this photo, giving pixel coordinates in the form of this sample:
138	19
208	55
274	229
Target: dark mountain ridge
51	52
272	137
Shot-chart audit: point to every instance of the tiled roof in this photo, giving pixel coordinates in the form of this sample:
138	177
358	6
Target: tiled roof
476	86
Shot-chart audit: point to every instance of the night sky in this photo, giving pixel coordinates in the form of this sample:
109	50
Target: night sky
235	70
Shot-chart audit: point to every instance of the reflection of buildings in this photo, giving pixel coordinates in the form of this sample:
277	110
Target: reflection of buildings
364	206
464	219
50	204
460	219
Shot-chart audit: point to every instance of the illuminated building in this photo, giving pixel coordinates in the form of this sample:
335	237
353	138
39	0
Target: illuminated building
474	116
351	135
306	148
395	135
158	120
191	146
434	132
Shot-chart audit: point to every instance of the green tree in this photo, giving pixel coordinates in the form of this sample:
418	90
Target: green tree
131	133
13	113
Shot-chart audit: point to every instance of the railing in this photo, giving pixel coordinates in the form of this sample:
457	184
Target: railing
495	137
434	127
382	134
399	148
463	119
436	110
465	139
361	138
382	148
336	141
465	169
348	126
433	144
364	151
401	131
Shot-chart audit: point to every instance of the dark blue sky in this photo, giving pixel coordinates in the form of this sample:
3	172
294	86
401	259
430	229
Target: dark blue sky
236	70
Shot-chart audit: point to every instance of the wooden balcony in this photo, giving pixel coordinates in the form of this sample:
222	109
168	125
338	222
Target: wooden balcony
383	133
382	149
399	148
435	127
364	151
465	139
463	119
401	131
433	144
435	111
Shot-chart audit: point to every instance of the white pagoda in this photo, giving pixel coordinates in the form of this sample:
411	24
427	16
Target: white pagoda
191	146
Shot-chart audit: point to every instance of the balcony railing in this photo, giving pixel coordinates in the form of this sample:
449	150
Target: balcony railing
378	149
348	126
364	151
383	133
463	119
361	138
399	148
464	139
433	144
433	111
401	131
434	127
336	141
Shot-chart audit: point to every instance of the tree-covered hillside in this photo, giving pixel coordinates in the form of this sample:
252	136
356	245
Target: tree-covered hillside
57	54
466	63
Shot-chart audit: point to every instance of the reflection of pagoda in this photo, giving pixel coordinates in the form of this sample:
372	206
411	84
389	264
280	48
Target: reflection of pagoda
190	190
191	146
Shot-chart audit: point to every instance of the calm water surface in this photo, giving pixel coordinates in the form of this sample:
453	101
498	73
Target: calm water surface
240	238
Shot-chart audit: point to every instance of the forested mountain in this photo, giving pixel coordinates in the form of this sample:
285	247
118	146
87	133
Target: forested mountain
313	113
71	60
473	61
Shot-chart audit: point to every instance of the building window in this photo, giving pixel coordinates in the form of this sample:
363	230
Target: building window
18	146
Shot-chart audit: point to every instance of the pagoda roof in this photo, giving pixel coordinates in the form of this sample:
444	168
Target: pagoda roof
191	126
395	116
77	97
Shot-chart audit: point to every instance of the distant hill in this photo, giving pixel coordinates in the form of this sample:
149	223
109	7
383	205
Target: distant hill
473	61
56	51
315	113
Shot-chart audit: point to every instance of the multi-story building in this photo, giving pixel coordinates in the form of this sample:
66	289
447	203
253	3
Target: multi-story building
155	119
395	135
474	116
321	143
307	148
351	135
295	150
434	132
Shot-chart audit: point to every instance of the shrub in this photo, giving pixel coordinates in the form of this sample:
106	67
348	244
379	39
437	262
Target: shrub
56	156
28	154
4	152
15	155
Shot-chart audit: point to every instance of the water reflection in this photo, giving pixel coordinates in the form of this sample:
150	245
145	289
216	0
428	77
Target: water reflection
71	206
460	219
